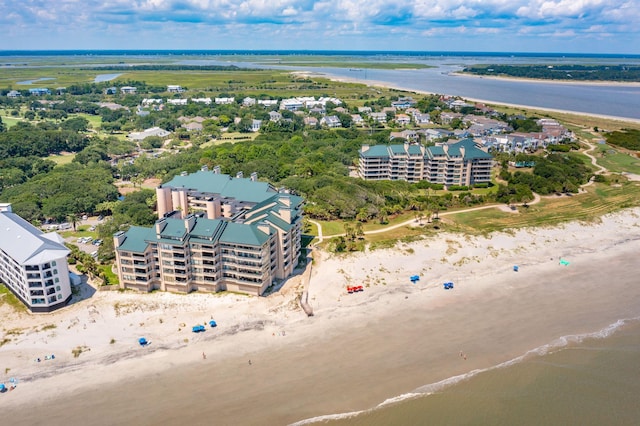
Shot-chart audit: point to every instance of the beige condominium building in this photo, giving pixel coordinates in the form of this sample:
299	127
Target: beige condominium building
460	163
214	232
33	265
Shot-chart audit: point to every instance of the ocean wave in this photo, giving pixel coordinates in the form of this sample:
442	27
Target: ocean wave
431	388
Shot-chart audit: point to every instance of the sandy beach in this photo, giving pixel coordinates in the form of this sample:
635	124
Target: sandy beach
268	363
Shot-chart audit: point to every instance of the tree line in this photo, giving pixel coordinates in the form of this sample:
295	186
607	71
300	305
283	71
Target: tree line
561	72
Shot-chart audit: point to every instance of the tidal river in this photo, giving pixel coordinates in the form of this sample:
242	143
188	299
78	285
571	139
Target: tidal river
619	100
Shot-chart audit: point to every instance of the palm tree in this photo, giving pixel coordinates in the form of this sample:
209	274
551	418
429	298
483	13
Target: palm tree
73	219
359	230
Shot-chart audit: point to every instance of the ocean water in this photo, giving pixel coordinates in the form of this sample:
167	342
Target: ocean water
591	379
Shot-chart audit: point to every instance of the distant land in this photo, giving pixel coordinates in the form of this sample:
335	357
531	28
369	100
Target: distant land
622	73
311	52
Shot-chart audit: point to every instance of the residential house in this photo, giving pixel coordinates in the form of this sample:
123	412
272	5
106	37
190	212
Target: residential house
128	90
310	121
267	103
255	125
193	126
40	91
357	120
275	116
206	101
403	103
146	102
318	110
111	105
408	135
153	131
292	104
378	117
447	117
174	88
403	119
14	94
437	134
248	101
224	101
421	119
330	121
110	90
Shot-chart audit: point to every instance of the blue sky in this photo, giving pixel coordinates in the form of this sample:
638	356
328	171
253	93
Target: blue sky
571	26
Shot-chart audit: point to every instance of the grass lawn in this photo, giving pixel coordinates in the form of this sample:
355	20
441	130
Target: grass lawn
95	121
62	159
112	278
6	297
10	121
615	160
599	199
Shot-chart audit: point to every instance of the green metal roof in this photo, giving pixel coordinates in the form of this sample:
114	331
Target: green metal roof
212	183
246	190
137	239
238	233
471	151
397	149
376	151
278	222
207	229
434	151
414	149
173	229
202	181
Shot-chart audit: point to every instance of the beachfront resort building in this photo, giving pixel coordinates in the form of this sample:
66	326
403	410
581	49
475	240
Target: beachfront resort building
214	232
460	163
33	264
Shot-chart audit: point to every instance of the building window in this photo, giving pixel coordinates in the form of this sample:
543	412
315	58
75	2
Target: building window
53	263
58	288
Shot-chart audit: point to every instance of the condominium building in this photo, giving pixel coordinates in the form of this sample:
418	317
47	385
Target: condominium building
214	233
460	163
33	264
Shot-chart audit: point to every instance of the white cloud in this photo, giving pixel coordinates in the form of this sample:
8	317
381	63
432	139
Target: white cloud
334	18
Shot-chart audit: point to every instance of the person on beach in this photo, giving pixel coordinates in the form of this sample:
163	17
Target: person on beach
204	356
249	362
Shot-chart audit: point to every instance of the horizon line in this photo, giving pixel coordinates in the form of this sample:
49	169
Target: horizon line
9	52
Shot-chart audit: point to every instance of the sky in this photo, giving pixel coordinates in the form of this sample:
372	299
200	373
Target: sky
560	26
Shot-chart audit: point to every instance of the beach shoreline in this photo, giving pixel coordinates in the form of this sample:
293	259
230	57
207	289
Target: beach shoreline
356	352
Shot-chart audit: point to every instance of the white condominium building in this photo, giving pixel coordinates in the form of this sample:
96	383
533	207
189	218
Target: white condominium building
33	265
